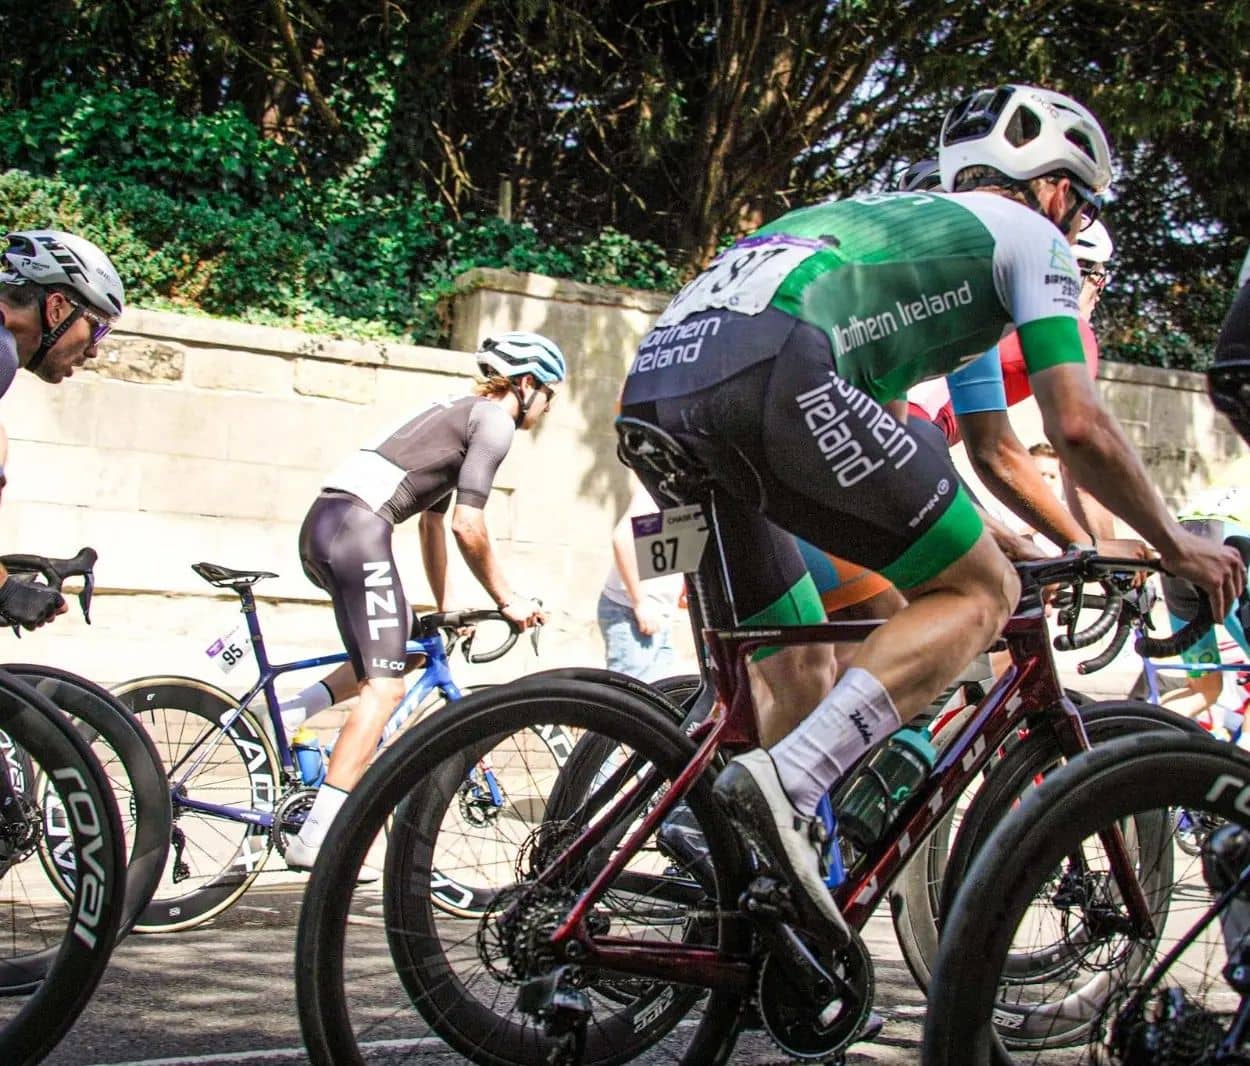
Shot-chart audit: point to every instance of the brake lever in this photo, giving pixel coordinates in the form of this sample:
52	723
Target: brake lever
534	631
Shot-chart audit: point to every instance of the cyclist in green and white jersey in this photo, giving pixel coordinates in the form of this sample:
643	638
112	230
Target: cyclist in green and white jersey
777	368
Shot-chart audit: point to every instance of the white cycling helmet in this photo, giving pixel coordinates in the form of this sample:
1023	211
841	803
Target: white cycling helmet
514	354
52	257
1093	244
922	176
1025	132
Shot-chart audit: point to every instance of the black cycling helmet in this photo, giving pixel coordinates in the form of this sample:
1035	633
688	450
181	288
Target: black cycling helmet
1228	381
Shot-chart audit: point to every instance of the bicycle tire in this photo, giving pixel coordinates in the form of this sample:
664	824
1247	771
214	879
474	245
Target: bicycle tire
457	897
917	901
62	975
435	753
223	857
135	773
1131	782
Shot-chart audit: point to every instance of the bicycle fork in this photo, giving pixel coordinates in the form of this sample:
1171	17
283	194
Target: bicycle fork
1073	741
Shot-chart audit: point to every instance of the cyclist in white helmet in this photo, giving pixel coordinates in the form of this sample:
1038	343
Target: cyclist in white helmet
775	368
59	296
454	445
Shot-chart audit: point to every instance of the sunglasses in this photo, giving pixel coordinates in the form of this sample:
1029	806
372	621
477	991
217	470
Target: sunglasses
547	391
1096	276
100	326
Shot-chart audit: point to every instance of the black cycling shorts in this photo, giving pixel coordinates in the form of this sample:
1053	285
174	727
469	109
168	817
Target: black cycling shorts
346	550
803	449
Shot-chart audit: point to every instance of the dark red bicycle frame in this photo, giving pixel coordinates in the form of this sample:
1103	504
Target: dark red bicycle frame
1027	691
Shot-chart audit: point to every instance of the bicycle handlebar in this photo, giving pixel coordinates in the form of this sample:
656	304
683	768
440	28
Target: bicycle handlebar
1183	639
57	571
453	621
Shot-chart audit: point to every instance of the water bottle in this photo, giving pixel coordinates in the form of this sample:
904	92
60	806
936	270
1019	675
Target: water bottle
883	784
309	757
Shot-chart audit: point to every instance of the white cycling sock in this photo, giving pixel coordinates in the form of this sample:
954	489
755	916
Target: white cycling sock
328	803
856	715
316	697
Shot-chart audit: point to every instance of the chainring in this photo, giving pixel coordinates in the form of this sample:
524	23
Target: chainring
795	1027
289	815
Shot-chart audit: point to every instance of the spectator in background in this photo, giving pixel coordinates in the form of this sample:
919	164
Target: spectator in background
636	616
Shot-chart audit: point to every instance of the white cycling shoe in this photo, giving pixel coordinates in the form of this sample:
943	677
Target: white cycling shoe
750	791
301	857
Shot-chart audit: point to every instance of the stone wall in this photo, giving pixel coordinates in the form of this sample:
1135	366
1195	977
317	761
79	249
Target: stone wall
193	439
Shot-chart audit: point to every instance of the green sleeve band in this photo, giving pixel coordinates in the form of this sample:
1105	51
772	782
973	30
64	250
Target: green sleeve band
1047	342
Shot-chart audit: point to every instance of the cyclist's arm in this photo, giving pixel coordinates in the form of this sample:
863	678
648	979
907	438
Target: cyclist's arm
431	528
1099	456
1003	463
1085	509
468	526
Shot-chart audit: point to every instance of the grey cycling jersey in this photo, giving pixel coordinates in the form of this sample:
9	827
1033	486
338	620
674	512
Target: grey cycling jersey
453	444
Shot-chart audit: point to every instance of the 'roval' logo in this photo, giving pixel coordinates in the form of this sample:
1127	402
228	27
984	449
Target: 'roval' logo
93	888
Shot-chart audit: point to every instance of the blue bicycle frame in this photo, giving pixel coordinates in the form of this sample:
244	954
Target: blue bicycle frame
436	675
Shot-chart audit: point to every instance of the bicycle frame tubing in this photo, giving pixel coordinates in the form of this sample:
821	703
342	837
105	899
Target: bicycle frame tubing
1029	688
435	675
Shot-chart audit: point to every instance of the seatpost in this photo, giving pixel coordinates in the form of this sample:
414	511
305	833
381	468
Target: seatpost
248	599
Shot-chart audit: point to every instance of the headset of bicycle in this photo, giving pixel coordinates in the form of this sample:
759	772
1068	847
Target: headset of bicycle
39	263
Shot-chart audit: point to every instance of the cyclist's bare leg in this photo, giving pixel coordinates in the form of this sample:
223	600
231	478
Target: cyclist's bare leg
787	686
920	650
884	604
356	744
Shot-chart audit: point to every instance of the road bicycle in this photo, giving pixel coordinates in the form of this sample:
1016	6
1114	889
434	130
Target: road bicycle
124	749
236	790
607	938
54	946
1159	987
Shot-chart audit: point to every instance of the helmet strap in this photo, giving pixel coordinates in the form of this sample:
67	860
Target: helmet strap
523	405
50	335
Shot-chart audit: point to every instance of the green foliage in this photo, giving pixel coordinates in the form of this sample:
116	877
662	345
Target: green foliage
381	269
135	136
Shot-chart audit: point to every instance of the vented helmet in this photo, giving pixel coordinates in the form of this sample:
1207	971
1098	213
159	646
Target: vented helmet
515	354
1025	132
52	257
921	176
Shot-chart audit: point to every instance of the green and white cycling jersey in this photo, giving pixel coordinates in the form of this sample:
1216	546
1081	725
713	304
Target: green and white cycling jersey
906	286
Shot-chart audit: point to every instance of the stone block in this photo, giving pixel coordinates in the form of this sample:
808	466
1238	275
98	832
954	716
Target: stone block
160	418
62	414
221	368
58	473
140	359
336	381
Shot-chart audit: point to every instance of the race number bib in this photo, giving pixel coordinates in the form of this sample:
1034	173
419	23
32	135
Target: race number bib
227	652
742	279
669	542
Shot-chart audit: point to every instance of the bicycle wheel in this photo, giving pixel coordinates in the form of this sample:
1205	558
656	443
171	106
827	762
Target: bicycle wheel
470	874
1041	886
361	980
939	866
52	948
133	765
213	858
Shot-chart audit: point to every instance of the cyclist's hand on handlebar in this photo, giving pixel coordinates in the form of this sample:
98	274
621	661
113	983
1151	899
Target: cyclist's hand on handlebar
1126	548
524	612
29	605
1215	568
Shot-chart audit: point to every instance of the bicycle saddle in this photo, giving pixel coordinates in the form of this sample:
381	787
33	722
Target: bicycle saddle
671	474
225	578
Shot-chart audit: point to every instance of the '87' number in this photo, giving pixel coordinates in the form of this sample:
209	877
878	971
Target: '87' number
664	554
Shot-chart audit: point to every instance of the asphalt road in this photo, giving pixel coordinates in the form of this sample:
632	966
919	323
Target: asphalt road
224	994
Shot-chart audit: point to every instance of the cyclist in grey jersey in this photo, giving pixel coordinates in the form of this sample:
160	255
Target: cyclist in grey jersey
345	545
